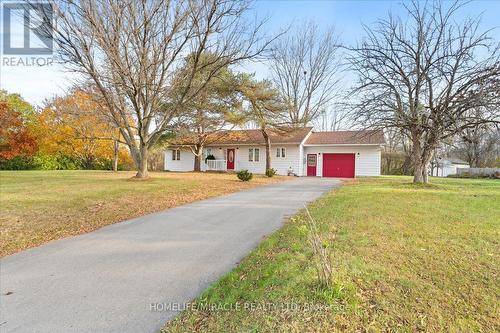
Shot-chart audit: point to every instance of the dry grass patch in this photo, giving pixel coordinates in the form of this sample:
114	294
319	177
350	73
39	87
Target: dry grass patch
39	206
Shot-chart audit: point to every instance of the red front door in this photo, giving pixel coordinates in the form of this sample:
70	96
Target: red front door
230	159
311	164
338	165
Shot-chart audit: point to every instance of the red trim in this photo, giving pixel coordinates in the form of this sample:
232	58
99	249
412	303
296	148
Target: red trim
339	165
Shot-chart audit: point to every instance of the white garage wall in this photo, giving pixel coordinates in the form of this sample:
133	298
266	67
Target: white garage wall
367	163
186	163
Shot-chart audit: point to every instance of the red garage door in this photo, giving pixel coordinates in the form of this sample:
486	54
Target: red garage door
338	165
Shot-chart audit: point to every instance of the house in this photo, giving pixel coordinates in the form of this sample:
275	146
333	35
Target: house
301	152
444	166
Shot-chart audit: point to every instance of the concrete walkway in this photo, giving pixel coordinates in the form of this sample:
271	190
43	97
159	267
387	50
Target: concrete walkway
107	280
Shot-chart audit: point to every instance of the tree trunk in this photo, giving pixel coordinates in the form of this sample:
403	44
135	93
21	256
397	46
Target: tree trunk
425	174
142	171
268	149
416	157
198	155
418	171
115	155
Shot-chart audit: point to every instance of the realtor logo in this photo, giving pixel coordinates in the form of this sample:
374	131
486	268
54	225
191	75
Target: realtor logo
34	28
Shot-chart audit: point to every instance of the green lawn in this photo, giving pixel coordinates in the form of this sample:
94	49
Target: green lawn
407	258
39	206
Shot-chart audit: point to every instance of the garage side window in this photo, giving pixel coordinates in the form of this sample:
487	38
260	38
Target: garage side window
250	155
176	155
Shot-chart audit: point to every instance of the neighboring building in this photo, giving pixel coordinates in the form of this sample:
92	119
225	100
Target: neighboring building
302	152
444	166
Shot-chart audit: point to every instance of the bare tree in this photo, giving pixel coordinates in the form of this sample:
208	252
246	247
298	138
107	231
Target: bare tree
131	48
479	145
423	75
332	119
305	68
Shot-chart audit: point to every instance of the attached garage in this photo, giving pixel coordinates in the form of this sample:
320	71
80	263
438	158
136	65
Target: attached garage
343	154
339	165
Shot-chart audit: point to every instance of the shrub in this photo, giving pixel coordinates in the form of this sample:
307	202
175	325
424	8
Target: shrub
17	163
270	172
244	175
52	162
45	162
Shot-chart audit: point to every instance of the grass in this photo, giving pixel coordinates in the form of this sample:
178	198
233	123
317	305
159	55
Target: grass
406	258
39	206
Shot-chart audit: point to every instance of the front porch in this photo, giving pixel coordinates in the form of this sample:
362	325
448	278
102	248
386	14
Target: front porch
222	159
215	165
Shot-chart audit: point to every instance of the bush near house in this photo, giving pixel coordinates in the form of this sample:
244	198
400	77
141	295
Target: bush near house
270	172
244	175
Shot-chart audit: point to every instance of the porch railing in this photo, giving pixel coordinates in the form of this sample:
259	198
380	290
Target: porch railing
216	165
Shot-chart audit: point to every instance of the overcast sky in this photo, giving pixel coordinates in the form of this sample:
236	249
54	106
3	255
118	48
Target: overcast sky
39	83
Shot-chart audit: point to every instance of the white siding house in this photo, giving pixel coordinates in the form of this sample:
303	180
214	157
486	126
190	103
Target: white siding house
301	153
185	162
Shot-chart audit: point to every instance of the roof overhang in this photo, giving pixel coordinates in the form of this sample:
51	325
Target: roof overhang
251	144
342	144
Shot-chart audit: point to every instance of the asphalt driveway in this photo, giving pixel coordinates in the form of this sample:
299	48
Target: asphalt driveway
123	277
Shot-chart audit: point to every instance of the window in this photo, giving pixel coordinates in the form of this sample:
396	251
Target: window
311	160
253	154
280	152
208	152
176	154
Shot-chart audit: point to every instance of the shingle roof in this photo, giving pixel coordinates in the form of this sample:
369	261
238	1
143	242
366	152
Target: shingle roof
252	136
346	137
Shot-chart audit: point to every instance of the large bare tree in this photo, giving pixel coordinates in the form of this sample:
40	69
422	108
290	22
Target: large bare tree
130	49
424	74
305	68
